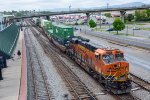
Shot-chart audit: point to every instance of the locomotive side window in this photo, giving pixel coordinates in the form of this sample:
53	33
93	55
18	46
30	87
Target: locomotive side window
120	56
97	57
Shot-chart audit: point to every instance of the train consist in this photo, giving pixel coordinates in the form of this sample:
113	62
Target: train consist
106	65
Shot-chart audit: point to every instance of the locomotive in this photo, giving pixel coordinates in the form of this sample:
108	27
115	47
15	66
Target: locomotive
107	65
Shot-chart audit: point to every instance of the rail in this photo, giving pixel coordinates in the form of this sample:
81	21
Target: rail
40	84
78	90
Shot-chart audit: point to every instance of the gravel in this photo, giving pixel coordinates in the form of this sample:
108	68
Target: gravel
56	84
86	79
134	67
59	88
92	85
140	93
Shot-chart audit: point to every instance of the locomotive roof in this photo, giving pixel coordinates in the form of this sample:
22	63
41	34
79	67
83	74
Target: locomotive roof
95	47
88	42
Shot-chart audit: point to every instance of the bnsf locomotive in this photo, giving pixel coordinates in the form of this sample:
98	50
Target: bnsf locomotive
108	66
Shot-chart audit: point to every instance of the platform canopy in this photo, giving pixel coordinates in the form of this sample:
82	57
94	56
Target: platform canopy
8	40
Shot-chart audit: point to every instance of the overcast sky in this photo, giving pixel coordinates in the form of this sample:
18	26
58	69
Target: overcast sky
50	4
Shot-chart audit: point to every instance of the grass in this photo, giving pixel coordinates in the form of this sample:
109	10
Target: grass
124	34
98	29
113	32
137	23
145	28
140	24
129	22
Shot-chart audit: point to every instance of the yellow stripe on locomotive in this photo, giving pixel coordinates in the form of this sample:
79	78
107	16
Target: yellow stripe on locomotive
107	65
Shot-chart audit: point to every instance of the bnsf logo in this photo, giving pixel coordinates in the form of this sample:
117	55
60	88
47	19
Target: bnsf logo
114	69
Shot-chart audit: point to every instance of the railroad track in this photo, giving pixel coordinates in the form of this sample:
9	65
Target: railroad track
77	89
118	97
126	97
140	82
31	91
40	84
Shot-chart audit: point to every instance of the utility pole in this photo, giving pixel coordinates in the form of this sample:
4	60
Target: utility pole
107	5
69	7
88	17
69	11
122	13
109	27
127	31
134	25
100	21
34	12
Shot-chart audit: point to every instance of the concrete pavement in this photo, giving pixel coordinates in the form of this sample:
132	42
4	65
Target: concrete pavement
10	85
139	42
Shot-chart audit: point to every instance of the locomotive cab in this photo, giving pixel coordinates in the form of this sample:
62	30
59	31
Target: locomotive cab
116	70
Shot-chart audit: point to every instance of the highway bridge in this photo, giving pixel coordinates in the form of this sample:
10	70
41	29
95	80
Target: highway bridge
122	11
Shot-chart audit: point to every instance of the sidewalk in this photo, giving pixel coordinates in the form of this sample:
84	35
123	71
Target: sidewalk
10	85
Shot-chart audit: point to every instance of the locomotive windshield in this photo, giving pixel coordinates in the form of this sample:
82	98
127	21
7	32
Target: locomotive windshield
120	57
108	58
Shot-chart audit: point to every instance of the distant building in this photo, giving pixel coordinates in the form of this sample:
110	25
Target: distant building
4	20
1	21
117	13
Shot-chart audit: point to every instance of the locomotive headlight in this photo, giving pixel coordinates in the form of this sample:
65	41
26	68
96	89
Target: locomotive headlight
119	64
116	78
122	77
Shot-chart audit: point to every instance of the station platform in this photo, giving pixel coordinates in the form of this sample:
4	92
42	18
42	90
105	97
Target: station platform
13	85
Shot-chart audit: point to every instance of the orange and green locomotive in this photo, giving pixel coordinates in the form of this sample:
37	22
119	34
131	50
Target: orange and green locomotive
108	66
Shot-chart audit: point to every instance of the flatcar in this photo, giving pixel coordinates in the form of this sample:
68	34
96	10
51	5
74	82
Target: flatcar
107	65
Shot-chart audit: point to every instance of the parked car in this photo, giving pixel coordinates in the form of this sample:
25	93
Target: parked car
136	28
110	29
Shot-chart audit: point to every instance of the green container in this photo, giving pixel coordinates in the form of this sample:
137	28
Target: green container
63	32
46	24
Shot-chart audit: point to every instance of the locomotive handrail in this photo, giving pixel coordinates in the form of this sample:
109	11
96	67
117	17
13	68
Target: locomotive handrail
109	74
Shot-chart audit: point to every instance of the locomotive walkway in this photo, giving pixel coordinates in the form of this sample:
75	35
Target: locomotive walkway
13	85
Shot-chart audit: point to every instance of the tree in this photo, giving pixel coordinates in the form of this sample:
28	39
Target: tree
92	23
142	15
138	16
148	13
130	17
108	14
118	25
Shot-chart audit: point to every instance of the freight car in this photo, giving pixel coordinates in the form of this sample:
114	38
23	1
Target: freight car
36	21
60	34
108	66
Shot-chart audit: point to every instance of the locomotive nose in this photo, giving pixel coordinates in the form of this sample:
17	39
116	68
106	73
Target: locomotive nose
123	69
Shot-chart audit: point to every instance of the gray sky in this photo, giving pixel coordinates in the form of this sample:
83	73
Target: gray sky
50	4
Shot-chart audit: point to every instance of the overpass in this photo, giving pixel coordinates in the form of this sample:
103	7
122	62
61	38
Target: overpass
87	12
